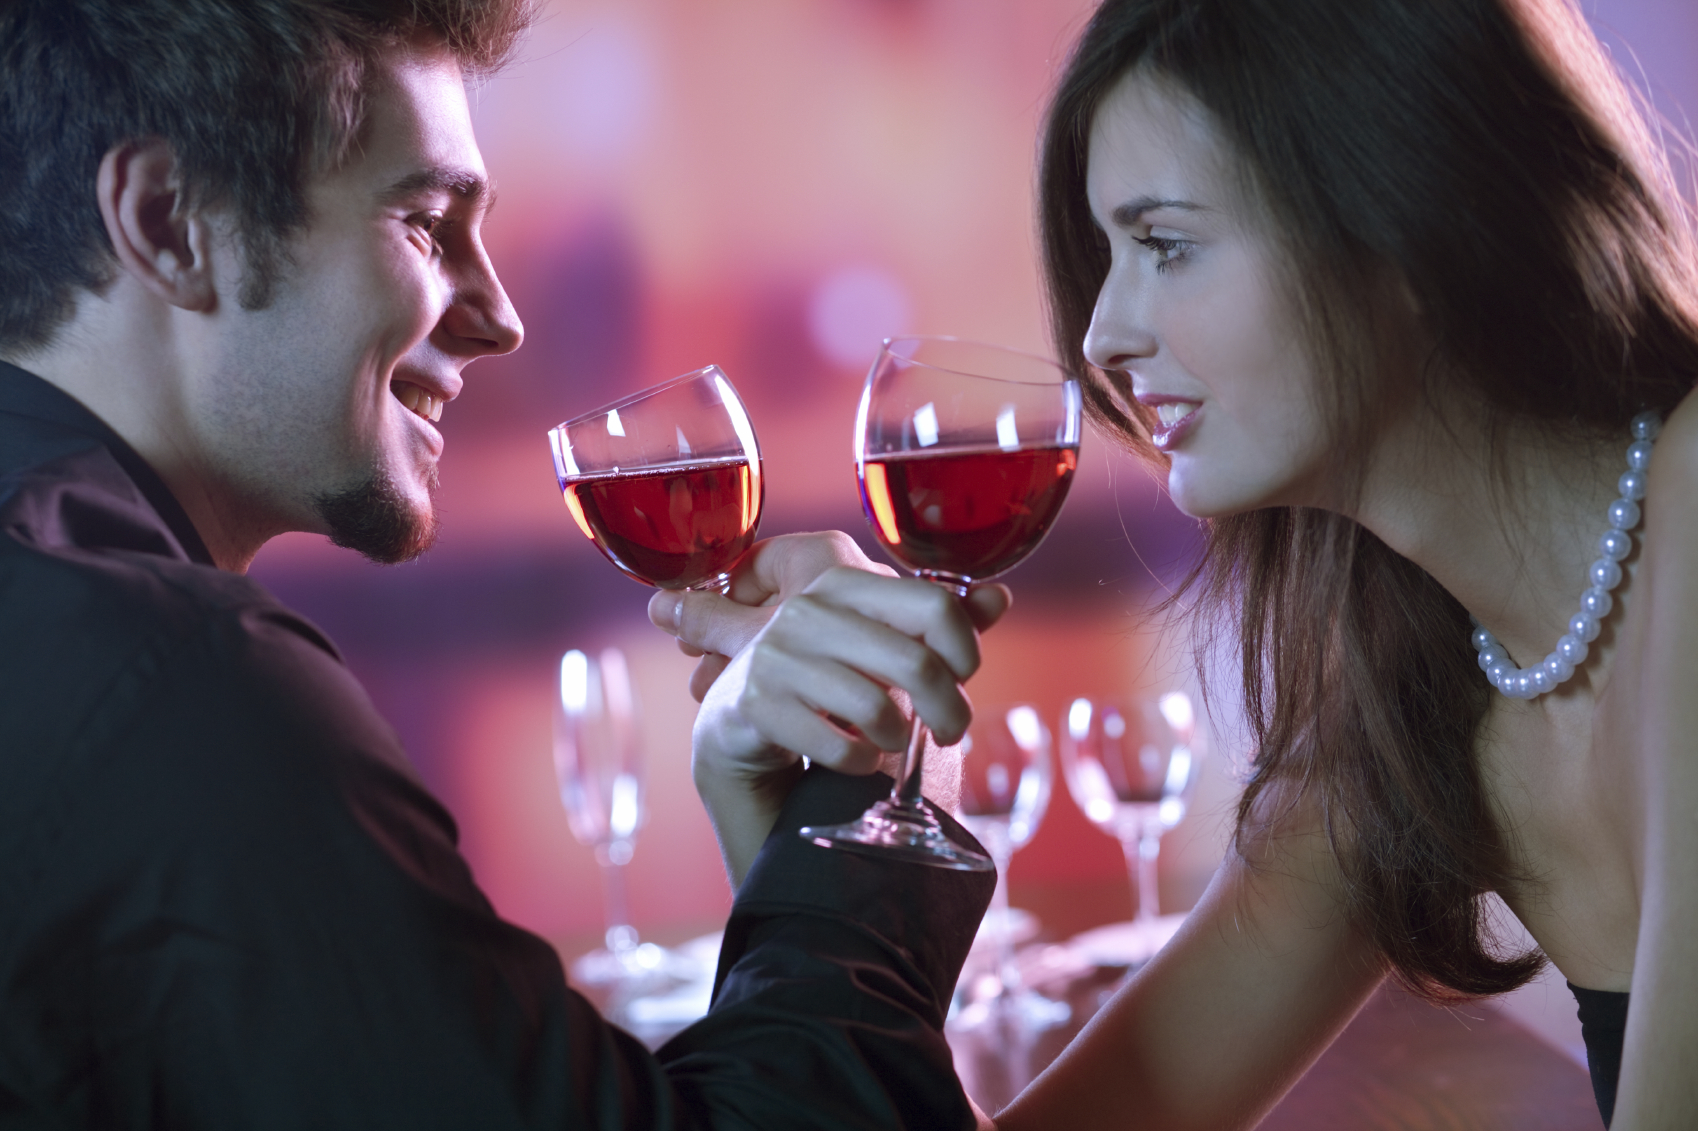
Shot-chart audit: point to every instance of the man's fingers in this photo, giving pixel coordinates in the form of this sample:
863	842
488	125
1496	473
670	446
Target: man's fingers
985	604
830	688
920	609
707	621
778	567
791	725
707	672
811	629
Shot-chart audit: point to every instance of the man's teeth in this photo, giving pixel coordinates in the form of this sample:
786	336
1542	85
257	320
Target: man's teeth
418	400
1171	414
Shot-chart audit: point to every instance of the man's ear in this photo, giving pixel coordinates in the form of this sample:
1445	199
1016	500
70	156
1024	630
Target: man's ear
160	241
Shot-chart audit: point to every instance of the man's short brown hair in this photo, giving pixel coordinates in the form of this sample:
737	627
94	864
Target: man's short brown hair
253	97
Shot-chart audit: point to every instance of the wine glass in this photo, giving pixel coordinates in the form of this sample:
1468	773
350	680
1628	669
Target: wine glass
1131	767
1005	784
598	765
964	453
666	482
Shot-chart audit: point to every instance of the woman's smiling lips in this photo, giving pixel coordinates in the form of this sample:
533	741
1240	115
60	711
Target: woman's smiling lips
1176	418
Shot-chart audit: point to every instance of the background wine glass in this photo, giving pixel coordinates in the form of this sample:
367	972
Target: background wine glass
1131	768
666	482
964	453
598	765
1005	785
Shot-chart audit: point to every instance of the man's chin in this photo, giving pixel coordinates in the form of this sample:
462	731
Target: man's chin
376	520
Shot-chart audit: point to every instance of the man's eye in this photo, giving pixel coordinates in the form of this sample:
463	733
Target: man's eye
430	223
1167	252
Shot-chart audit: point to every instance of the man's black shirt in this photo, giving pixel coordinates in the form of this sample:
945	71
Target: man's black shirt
226	901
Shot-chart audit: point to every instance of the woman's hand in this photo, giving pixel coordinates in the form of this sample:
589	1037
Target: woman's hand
802	660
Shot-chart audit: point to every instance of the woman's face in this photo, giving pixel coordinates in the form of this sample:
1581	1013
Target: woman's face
1194	312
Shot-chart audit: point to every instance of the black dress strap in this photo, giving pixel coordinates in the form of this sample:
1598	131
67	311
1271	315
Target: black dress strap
1603	1026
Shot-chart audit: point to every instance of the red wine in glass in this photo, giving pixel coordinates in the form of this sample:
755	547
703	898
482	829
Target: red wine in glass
666	482
973	513
671	526
965	453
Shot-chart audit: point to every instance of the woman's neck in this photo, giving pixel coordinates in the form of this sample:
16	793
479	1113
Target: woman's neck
1512	547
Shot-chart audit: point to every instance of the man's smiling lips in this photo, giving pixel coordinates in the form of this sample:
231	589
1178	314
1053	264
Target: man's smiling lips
422	400
417	399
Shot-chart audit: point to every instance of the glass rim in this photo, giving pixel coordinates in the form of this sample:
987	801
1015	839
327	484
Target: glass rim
884	348
643	394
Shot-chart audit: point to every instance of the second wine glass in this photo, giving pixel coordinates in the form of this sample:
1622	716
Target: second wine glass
964	454
666	482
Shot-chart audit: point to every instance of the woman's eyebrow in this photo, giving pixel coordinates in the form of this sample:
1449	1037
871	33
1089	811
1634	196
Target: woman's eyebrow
1130	213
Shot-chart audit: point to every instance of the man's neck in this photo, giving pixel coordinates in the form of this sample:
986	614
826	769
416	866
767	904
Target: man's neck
123	359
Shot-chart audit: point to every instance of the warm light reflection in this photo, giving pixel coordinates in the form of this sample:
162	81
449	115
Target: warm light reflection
577	509
877	489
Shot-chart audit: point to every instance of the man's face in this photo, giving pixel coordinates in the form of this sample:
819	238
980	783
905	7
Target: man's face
317	411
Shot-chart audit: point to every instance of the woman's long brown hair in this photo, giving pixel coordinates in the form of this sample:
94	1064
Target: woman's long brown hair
1485	154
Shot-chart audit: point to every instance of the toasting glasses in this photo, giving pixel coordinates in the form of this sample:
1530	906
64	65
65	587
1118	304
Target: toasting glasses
666	482
965	453
1131	768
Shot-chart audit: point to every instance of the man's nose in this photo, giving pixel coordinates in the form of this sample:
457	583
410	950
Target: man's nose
481	319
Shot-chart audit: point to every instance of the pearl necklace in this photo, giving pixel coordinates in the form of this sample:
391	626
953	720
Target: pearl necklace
1603	575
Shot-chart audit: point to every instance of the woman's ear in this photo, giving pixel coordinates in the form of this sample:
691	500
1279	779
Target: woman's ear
159	240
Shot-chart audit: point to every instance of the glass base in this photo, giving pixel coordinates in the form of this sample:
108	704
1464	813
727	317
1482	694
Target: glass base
1024	1010
909	832
1131	943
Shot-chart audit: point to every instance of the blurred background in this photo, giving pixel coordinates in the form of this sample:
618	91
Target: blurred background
773	186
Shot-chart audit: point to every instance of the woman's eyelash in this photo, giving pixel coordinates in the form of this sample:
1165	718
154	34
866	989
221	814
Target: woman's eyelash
1167	251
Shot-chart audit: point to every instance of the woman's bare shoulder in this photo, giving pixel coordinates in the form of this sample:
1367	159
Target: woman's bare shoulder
1675	461
1671	519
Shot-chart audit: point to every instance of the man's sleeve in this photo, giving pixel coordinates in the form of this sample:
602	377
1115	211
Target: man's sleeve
834	978
237	907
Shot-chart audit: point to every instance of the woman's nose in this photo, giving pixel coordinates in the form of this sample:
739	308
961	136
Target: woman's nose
1117	336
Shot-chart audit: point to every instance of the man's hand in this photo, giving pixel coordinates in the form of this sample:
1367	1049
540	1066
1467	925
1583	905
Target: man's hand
801	662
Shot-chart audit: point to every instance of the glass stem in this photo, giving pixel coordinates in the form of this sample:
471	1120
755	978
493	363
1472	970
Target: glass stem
1007	972
907	789
1149	893
621	936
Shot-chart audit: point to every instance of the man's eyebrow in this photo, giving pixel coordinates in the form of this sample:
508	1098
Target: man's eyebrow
463	183
1130	213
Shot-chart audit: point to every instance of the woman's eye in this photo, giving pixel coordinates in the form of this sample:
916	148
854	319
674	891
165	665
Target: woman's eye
1167	252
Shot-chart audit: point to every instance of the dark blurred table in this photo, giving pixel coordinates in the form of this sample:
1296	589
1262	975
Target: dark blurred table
1401	1065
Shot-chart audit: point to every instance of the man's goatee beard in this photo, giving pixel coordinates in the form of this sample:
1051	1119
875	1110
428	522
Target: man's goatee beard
375	519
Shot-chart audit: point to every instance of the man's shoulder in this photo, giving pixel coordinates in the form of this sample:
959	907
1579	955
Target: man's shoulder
97	637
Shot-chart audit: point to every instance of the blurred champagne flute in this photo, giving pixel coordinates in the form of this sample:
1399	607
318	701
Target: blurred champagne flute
1005	786
598	765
